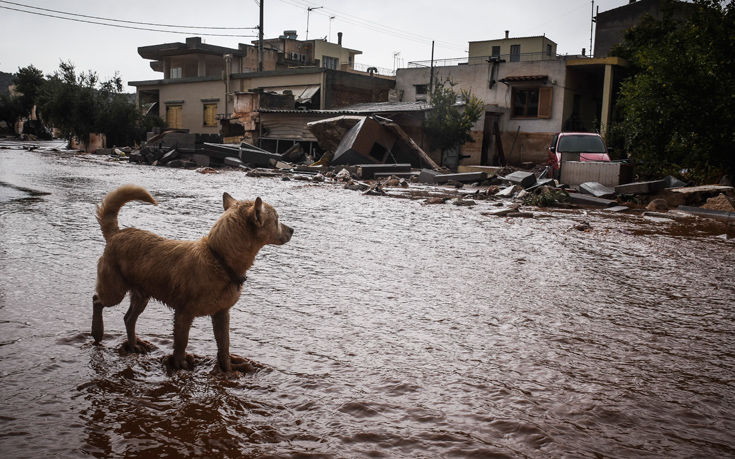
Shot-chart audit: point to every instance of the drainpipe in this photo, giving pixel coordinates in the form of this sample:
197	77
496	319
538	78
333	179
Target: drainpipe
228	69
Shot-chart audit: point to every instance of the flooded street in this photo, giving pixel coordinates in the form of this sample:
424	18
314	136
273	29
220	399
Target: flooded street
386	328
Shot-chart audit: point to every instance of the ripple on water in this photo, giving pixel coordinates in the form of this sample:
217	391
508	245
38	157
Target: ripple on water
385	328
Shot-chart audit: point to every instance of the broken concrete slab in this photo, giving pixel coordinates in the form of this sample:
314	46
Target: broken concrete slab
233	162
509	191
502	212
403	175
720	215
617	209
489	170
522	178
673	182
259	158
428	175
588	200
653	186
542	182
597	190
368	171
461	177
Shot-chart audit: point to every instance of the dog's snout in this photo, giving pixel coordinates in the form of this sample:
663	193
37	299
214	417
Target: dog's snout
286	232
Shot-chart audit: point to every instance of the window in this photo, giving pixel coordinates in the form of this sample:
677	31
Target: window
173	116
548	50
515	53
330	62
210	115
531	102
496	51
421	89
176	72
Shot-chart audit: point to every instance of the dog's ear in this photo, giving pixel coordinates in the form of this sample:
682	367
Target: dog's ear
258	211
228	201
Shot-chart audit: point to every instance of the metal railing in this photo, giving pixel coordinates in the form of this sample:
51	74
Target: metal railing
523	57
378	70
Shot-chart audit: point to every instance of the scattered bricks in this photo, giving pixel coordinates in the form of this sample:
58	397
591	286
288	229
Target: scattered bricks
524	179
369	171
597	190
641	187
587	200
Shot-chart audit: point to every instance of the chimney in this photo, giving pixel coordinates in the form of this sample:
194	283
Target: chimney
193	42
339	38
507	33
584	52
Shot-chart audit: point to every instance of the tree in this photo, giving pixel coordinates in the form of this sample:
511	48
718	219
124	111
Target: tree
10	110
28	82
448	124
79	104
678	107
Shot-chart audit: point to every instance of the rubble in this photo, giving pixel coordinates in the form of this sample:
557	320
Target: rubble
597	190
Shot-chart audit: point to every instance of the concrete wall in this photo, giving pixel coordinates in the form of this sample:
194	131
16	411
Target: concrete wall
345	88
535	133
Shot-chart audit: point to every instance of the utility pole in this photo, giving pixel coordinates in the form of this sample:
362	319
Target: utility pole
592	22
260	39
431	71
395	55
308	12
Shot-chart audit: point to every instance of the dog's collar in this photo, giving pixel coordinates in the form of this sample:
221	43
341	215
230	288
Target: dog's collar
237	280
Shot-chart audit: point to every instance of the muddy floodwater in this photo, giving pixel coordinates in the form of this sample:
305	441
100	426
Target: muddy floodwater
386	328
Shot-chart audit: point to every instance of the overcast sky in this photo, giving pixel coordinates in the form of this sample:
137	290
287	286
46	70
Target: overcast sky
388	32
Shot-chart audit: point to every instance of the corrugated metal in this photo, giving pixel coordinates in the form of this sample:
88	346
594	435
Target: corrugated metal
289	125
363	109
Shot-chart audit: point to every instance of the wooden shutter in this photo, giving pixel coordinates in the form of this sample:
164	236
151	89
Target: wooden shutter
173	116
544	102
210	111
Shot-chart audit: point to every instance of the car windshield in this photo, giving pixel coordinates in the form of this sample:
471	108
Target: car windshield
581	144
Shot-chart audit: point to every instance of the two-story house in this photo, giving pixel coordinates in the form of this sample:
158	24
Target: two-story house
198	81
529	92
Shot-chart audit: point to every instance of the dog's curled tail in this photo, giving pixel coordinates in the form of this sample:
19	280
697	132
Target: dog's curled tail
107	212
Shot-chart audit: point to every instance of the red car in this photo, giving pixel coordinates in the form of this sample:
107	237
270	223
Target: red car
589	146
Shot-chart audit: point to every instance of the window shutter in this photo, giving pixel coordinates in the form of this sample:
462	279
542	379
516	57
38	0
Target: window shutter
544	102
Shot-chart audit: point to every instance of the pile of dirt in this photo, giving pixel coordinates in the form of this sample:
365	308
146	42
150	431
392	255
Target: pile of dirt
720	202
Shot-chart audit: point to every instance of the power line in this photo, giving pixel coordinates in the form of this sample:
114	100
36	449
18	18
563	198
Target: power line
122	20
122	26
372	25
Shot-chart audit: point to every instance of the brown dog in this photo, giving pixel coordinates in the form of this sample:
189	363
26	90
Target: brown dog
194	278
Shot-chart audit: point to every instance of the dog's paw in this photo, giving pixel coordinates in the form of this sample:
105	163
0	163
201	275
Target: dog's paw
140	347
184	363
244	365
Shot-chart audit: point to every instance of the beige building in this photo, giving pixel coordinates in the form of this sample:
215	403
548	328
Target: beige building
519	49
529	100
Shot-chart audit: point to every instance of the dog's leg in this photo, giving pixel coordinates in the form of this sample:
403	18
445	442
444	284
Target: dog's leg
138	303
221	326
98	326
228	362
182	324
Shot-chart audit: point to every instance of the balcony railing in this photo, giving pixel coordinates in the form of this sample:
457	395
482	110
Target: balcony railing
523	57
378	70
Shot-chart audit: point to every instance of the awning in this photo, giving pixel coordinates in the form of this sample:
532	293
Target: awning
523	78
301	94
